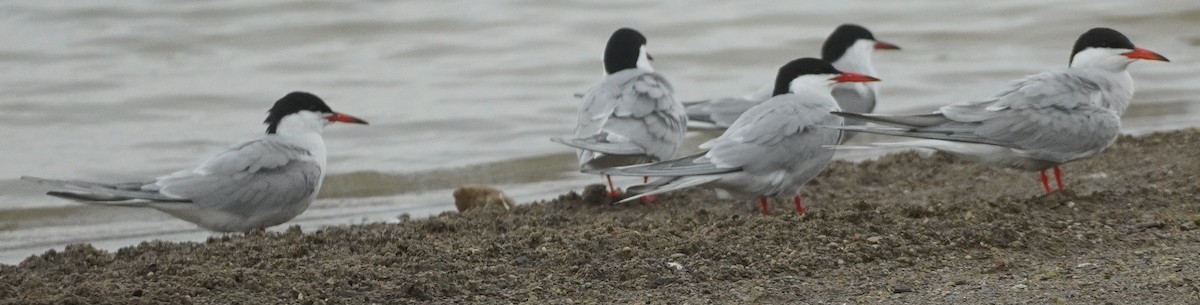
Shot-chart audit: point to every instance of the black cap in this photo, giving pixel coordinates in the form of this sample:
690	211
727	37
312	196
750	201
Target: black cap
1101	38
799	67
842	39
623	49
292	103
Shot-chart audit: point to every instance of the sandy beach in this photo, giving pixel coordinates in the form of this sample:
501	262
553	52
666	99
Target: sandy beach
907	228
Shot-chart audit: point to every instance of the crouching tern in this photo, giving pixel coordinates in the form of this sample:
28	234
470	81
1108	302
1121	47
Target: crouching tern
631	116
772	150
252	185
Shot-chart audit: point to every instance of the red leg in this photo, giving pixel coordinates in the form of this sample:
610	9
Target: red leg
762	204
799	205
651	198
612	190
1045	182
1058	177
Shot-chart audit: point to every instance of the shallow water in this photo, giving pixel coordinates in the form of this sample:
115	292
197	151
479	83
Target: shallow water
126	90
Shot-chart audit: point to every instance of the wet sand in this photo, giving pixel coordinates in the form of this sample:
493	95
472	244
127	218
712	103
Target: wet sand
906	228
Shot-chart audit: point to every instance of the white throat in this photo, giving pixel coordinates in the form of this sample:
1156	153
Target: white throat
303	129
822	83
857	58
303	122
1102	58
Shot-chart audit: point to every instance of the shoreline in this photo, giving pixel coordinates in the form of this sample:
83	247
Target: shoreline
905	228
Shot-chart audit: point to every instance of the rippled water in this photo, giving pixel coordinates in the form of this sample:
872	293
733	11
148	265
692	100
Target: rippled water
126	90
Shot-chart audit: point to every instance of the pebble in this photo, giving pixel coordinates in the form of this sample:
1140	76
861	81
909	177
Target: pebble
874	239
678	255
1020	286
1154	224
470	197
675	265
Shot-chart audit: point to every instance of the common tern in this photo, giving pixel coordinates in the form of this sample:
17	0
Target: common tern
631	116
848	48
252	185
1038	122
772	150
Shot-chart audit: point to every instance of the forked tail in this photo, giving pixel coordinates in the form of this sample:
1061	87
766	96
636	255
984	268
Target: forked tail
667	184
93	192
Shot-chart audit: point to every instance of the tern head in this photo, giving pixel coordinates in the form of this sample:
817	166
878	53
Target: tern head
303	110
1107	48
852	39
813	74
626	50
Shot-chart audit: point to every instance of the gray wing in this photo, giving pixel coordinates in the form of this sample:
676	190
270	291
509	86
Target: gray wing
773	135
1056	116
260	172
855	97
697	164
253	175
720	112
777	133
631	107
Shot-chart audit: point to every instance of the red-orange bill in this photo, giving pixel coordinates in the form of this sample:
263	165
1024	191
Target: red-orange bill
1140	53
879	45
345	118
854	78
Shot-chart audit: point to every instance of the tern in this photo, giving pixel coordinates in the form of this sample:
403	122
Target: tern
1038	122
631	116
252	185
848	48
772	150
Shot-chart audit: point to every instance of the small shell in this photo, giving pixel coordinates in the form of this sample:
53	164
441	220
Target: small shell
469	197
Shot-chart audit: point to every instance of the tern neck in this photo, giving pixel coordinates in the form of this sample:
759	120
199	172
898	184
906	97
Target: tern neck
1117	92
857	58
303	122
812	83
1102	59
